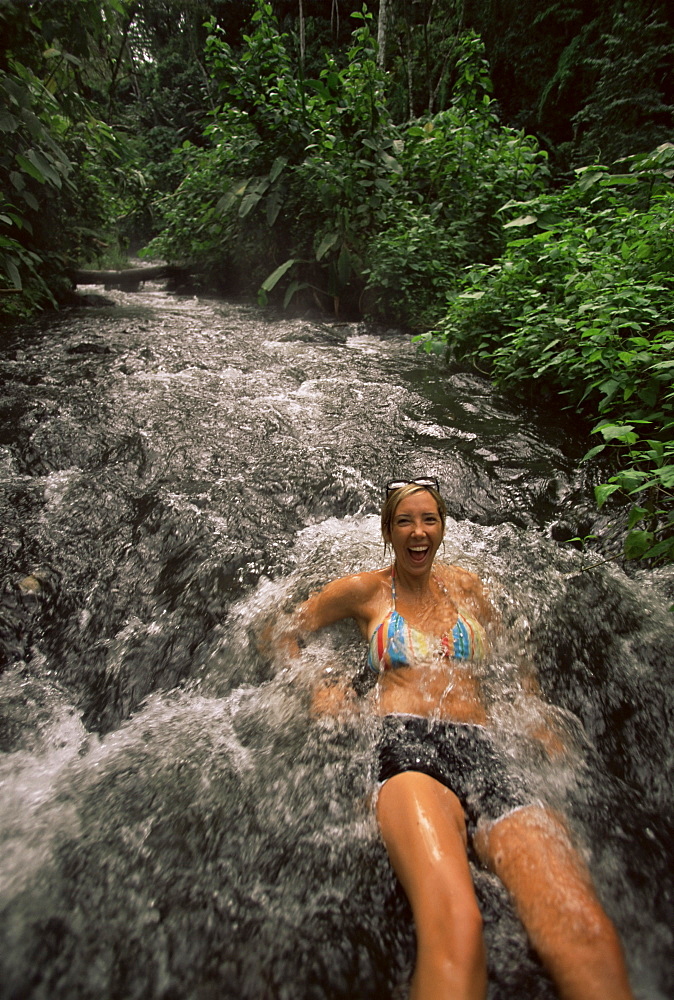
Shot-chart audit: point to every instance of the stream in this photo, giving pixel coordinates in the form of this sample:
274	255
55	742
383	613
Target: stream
175	825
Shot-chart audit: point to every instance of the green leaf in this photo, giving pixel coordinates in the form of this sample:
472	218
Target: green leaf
637	543
344	265
522	220
229	198
276	167
293	287
636	514
30	200
603	492
272	279
30	168
620	432
13	272
592	452
248	203
589	178
391	163
609	388
326	244
631	480
8	123
41	163
274	205
663	548
547	220
666	476
620	179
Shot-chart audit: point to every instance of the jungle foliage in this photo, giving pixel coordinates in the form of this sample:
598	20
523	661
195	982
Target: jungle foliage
66	175
315	174
498	174
579	306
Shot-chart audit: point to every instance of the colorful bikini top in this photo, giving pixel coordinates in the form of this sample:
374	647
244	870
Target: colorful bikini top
395	643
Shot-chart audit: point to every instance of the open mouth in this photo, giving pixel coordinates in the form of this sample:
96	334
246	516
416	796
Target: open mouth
418	553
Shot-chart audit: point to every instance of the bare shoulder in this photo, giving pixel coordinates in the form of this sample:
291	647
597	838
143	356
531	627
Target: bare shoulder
465	579
357	586
457	576
468	589
347	597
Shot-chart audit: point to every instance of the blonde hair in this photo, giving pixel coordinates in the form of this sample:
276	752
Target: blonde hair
395	497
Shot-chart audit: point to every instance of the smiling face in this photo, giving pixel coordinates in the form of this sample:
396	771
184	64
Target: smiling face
416	531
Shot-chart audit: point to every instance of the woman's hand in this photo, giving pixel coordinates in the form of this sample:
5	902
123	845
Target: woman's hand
553	742
335	699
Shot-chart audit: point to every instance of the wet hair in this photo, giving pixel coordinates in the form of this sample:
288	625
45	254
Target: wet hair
395	497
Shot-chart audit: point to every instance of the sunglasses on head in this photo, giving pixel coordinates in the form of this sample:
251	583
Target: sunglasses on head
426	481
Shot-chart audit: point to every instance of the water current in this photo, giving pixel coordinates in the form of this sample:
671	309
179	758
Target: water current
174	473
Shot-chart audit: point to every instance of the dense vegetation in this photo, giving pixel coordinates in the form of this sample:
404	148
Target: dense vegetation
496	178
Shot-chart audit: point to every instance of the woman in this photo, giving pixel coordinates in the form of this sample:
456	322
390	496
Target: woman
444	779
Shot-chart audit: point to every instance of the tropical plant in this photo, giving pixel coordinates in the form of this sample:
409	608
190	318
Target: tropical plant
592	80
579	305
59	161
312	164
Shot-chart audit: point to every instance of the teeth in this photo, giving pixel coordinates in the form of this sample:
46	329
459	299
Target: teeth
418	548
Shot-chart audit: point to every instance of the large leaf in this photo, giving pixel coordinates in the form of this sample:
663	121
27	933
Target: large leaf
275	276
344	266
44	166
248	203
592	452
8	123
637	543
30	168
523	220
391	163
274	205
327	243
293	287
589	178
603	492
276	167
13	272
230	198
253	196
620	432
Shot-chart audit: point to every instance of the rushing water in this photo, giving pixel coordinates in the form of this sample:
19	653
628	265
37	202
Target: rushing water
174	823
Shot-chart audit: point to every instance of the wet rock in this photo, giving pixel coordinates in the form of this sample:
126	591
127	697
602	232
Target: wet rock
89	348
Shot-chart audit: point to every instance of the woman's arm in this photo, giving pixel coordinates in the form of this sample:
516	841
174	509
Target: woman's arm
287	632
559	732
347	597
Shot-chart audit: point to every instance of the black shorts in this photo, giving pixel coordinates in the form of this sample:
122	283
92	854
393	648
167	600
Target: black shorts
463	757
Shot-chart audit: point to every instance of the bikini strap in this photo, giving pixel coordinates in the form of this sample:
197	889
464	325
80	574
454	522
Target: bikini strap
393	586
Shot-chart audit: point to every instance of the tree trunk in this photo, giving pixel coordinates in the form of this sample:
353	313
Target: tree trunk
381	33
130	278
302	37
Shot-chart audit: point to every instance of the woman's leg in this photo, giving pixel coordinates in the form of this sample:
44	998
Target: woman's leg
531	852
423	828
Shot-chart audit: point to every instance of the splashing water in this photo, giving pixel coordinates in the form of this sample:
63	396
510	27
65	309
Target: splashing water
175	823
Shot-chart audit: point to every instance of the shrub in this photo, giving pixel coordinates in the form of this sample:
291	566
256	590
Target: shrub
581	304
